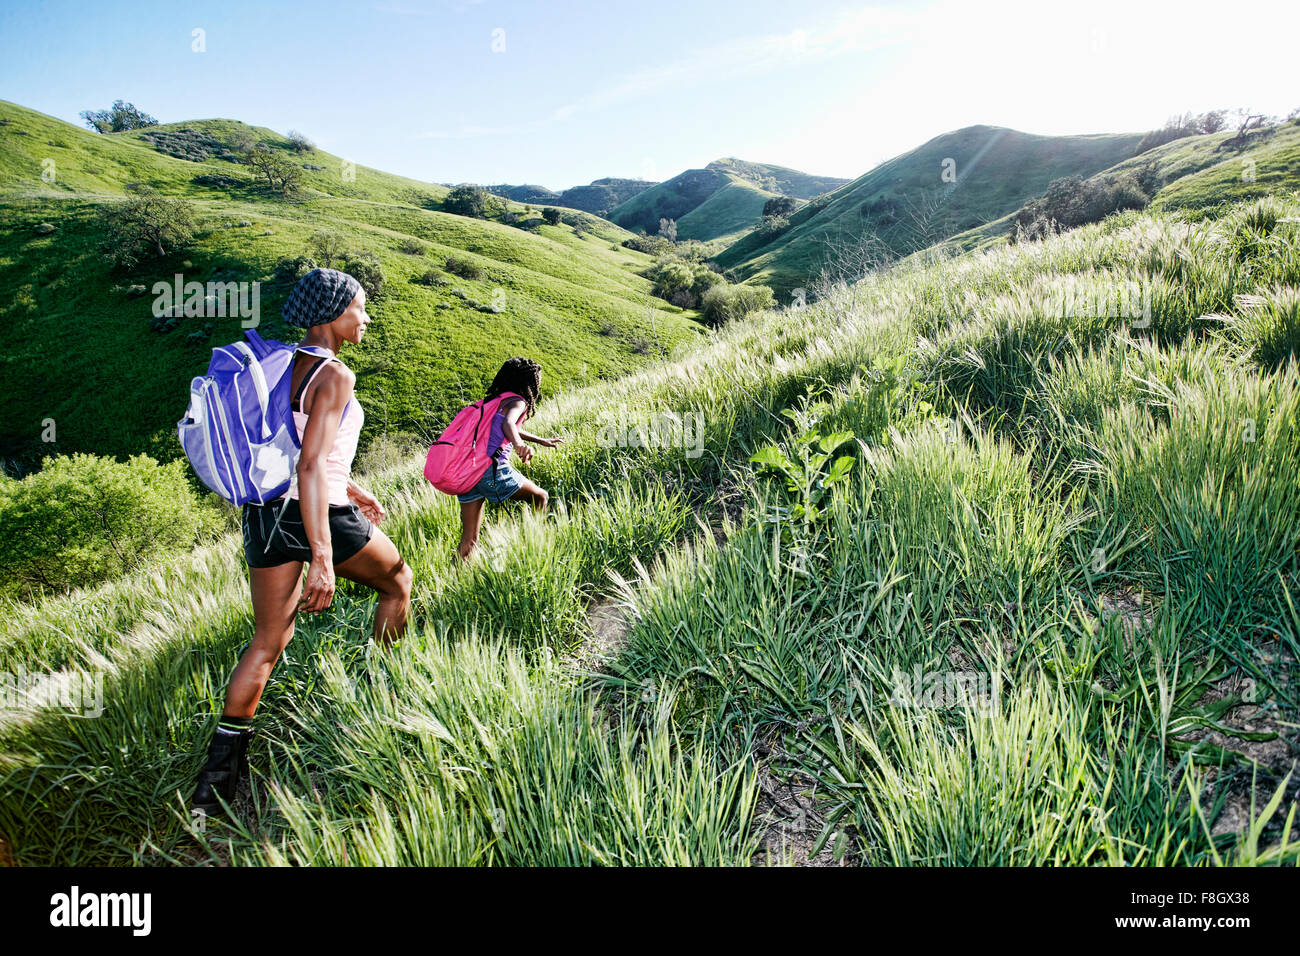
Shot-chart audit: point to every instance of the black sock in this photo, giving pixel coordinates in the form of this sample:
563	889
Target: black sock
235	725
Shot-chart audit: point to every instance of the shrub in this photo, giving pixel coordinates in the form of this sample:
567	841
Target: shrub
329	247
147	220
433	277
299	143
290	270
551	215
683	277
779	206
121	116
725	303
772	226
654	245
1072	201
672	276
472	201
365	267
193	145
463	268
217	180
82	519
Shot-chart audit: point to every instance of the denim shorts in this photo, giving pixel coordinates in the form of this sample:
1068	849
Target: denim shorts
498	483
266	546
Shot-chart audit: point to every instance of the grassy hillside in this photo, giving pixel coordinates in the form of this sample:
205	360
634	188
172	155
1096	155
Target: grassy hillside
1043	612
1204	174
600	198
720	200
1197	172
81	349
729	212
907	204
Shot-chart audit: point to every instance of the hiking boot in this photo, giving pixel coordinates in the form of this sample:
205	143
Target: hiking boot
220	776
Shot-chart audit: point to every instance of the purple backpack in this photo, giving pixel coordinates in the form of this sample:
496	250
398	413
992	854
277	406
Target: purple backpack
239	433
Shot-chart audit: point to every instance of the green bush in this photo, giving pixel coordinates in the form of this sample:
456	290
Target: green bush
82	519
472	201
463	268
290	270
551	215
329	246
190	144
654	245
146	224
1072	201
366	269
779	206
682	277
724	303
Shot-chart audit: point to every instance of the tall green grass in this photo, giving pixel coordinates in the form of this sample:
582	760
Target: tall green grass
1095	521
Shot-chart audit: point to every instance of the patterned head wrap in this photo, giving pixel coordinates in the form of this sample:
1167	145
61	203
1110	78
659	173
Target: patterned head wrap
320	296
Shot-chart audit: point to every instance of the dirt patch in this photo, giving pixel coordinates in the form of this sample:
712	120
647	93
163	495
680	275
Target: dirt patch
1135	611
726	504
1248	792
608	620
1254	715
786	815
785	812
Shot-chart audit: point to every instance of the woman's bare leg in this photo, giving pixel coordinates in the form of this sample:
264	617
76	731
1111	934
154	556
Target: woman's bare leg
275	606
378	565
471	523
532	493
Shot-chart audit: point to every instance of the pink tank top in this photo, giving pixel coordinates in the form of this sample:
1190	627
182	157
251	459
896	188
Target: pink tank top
338	464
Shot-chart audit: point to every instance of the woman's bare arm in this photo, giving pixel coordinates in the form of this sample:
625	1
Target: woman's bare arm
324	405
517	436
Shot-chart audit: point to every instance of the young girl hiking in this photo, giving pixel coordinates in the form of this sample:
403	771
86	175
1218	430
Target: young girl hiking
500	481
327	521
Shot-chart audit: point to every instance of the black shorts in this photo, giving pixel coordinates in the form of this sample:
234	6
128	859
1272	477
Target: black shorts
349	532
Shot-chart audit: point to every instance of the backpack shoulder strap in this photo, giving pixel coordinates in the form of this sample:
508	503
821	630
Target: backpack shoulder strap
296	405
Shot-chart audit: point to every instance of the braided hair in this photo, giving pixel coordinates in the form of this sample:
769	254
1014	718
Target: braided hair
522	376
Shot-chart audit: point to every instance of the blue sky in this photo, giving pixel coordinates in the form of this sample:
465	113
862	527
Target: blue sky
560	93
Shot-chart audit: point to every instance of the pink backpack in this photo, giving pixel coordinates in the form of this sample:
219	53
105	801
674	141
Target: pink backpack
459	457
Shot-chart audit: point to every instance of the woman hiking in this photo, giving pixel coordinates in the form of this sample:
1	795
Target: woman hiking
327	522
500	481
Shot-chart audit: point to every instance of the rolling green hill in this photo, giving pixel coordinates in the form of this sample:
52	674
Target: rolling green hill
599	198
1196	172
722	199
80	348
1204	173
908	204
